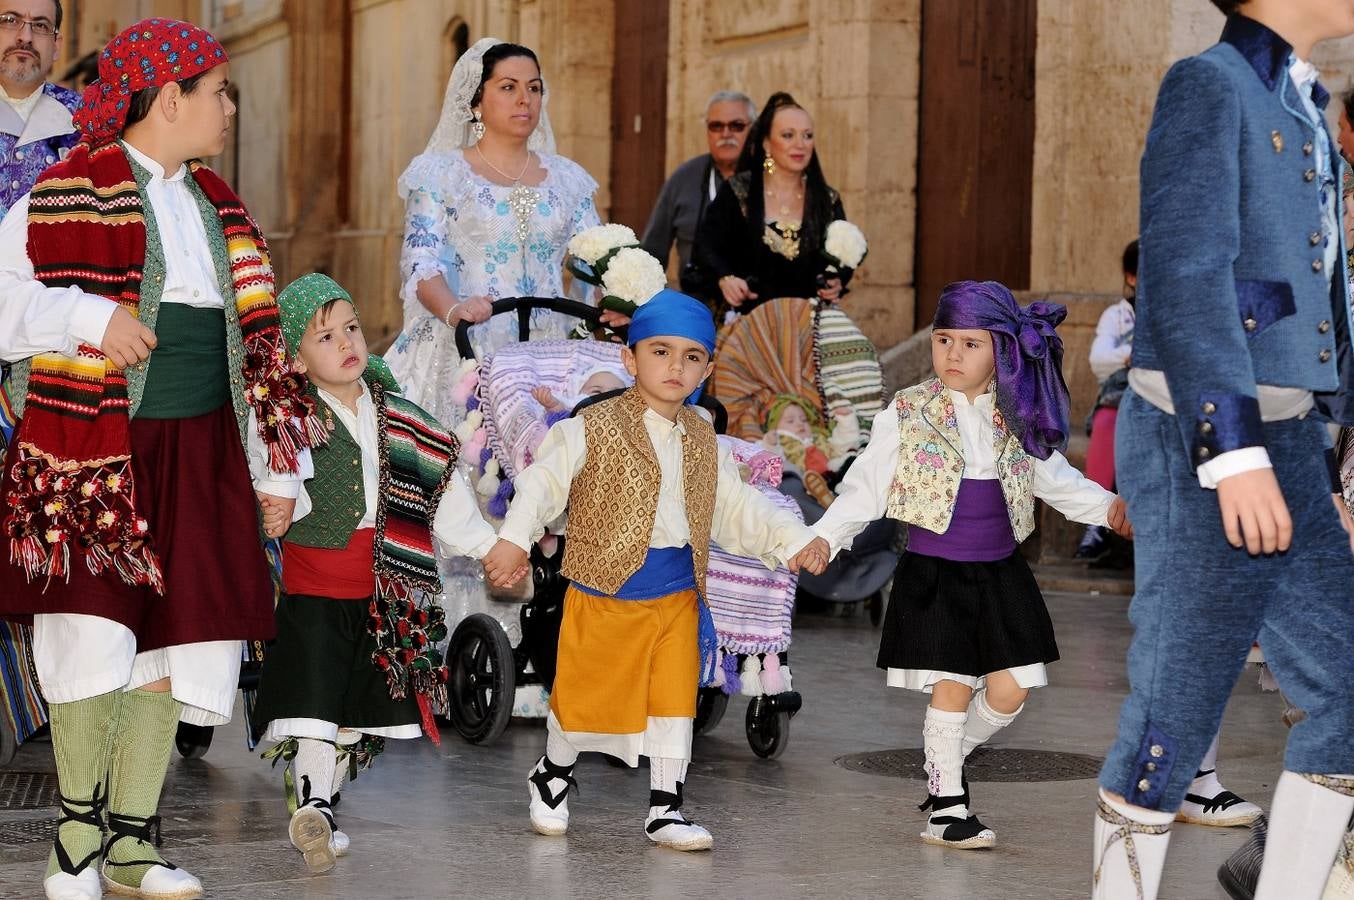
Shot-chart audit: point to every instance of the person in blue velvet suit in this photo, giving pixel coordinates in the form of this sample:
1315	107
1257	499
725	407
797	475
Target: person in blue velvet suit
1241	357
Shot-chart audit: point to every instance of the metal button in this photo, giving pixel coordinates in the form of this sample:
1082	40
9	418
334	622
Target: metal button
1314	238
1206	428
1250	324
1316	265
1157	750
1144	785
1324	326
1209	408
1324	356
19	155
1309	175
1151	767
1307	148
1276	139
1204	453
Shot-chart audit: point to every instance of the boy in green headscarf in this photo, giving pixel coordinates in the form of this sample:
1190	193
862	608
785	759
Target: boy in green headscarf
355	654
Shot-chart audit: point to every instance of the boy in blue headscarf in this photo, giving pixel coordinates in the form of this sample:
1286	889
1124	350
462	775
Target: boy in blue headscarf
648	489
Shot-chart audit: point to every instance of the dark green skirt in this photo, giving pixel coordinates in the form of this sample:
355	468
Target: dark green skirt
321	668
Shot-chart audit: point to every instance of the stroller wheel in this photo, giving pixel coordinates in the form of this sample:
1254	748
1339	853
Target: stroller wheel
483	679
710	706
878	601
193	740
768	728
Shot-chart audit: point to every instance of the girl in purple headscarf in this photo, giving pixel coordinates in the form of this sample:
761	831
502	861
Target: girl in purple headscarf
960	459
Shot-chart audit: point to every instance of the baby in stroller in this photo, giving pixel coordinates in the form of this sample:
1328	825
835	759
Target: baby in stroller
597	381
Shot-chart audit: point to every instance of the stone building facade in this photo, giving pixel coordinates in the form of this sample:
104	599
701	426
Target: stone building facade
336	96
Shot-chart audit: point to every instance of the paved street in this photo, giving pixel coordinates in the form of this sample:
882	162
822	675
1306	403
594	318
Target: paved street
430	823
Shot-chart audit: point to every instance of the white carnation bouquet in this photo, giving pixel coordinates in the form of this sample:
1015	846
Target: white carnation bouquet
845	245
611	257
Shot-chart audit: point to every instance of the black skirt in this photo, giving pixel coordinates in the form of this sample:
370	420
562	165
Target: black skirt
321	668
970	618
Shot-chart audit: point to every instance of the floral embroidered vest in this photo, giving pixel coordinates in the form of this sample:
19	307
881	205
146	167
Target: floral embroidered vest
614	498
931	463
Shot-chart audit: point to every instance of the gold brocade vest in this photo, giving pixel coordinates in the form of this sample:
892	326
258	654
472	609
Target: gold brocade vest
613	500
931	463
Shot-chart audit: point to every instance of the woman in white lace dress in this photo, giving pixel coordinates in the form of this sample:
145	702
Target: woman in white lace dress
489	210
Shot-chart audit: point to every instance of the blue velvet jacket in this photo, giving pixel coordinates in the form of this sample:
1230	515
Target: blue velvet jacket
1232	289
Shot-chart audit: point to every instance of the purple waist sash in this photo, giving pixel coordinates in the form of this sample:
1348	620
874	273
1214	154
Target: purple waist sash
980	529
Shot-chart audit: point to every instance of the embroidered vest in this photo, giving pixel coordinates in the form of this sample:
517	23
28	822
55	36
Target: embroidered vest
614	498
337	500
931	463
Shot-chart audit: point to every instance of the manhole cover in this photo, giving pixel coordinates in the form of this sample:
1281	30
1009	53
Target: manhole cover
36	832
27	790
985	764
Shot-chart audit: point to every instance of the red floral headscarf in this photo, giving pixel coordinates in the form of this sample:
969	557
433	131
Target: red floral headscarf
151	53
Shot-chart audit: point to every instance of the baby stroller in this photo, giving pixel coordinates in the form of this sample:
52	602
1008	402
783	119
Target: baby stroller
812	350
752	614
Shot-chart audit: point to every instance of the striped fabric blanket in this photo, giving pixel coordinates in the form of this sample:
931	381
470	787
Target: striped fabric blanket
514	423
750	605
778	348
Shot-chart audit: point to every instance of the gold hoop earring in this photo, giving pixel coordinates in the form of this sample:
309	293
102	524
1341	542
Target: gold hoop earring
769	165
477	127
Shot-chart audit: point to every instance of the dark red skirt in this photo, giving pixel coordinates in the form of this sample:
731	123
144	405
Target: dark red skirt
193	486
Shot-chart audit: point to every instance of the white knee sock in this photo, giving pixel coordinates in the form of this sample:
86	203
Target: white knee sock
666	774
559	752
345	744
313	769
984	721
1116	824
1306	824
943	744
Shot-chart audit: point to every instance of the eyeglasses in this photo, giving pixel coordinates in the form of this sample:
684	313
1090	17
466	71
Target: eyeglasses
15	22
737	126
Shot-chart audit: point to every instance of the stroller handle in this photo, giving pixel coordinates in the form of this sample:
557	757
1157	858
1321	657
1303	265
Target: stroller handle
524	305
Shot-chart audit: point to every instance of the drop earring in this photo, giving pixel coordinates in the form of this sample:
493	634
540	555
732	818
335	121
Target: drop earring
477	127
769	165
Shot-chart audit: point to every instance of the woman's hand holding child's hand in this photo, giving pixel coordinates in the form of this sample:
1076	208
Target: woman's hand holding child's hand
1117	519
506	564
812	559
277	513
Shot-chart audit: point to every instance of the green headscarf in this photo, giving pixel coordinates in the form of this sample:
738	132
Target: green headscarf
298	303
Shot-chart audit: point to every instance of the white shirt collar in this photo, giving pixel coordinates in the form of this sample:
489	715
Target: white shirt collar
959	398
1303	73
652	418
22	105
363	400
156	170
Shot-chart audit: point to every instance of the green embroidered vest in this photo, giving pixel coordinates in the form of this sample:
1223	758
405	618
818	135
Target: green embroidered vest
336	496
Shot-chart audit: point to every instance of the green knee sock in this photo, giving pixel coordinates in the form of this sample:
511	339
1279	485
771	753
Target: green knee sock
82	734
145	737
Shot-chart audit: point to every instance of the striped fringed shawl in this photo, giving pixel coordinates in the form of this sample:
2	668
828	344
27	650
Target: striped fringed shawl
87	228
417	462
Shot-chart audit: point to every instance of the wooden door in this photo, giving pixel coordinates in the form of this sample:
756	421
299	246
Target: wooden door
639	111
976	145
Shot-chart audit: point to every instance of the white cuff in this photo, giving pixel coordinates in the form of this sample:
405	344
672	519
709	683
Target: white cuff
283	488
514	534
1233	462
90	316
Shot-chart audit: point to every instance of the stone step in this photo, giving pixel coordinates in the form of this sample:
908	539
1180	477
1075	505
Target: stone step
1078	578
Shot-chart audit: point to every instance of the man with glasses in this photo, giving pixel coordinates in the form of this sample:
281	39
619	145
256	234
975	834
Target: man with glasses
35	131
682	201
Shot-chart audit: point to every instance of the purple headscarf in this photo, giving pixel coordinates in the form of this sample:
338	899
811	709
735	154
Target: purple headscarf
1031	393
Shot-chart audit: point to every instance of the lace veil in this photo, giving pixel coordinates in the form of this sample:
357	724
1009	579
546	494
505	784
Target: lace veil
453	128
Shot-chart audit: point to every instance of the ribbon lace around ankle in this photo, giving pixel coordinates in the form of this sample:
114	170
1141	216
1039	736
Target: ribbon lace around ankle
68	813
552	771
140	828
1124	831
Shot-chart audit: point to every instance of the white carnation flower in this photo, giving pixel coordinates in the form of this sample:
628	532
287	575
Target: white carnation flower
845	243
633	275
592	244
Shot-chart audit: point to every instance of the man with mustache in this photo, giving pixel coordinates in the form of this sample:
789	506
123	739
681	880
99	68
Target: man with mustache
682	201
35	131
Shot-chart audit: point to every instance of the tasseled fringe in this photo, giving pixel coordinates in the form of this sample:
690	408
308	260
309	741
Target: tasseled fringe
752	681
465	432
425	711
773	679
498	504
732	683
489	482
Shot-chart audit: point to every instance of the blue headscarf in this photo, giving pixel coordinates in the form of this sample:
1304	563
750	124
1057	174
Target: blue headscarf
1031	393
673	314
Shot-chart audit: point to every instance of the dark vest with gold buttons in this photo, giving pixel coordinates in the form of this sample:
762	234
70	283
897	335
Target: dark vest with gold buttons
337	499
